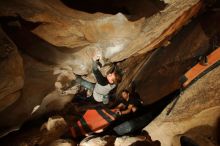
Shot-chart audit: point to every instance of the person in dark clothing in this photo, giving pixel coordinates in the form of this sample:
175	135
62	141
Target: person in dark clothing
129	103
101	90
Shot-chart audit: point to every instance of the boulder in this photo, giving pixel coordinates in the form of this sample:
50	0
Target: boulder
38	133
198	106
38	82
11	72
119	141
62	142
83	35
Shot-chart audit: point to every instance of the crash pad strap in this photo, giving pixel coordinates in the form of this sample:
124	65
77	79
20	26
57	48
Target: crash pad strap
110	113
85	125
75	129
107	118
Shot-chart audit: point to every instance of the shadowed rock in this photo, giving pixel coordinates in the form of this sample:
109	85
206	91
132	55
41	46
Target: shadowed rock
11	72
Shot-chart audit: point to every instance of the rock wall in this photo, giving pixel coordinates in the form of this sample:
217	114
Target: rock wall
58	36
198	106
11	72
113	36
38	82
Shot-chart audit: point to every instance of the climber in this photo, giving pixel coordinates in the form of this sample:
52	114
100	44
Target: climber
101	90
129	104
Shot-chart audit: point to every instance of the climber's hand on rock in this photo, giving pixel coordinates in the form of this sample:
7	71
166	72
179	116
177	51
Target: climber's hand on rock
96	57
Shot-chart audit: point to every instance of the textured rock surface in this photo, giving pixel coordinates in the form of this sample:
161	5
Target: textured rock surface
113	36
38	82
44	134
205	135
11	72
52	102
62	142
56	35
199	105
118	141
161	72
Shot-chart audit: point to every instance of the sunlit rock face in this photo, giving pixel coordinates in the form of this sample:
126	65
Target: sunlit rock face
195	115
114	37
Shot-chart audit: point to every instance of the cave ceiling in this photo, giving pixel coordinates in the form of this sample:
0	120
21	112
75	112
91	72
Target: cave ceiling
113	35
